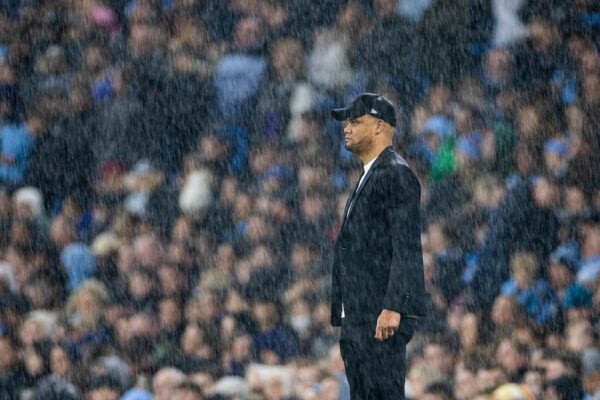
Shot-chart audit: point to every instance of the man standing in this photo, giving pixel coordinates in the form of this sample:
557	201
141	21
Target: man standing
377	285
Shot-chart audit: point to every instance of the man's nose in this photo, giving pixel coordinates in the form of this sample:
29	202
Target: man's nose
347	129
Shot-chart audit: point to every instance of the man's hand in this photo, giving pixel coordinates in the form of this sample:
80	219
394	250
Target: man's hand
387	324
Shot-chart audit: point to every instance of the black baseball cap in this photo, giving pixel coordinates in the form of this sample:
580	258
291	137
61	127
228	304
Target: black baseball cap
372	104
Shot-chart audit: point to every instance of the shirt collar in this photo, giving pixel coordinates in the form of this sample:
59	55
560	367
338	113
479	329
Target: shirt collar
368	165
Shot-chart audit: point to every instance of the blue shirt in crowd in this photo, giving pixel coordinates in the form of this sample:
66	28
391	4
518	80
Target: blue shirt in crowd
537	300
16	143
237	78
589	270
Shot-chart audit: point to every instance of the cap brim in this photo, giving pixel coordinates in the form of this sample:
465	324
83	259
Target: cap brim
342	114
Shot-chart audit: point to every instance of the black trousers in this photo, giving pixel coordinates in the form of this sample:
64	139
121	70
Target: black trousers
375	369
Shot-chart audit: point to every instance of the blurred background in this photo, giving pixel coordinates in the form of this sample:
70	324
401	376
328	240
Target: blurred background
171	185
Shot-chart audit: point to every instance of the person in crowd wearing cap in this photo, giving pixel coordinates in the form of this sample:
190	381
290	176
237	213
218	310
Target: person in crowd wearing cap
377	282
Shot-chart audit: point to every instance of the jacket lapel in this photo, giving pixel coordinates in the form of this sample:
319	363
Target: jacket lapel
349	200
384	154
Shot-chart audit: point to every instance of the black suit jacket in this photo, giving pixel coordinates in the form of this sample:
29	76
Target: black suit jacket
377	260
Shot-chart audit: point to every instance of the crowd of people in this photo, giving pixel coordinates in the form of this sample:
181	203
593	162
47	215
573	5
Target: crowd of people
171	184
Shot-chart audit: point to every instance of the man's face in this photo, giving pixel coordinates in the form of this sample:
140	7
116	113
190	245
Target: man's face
559	275
304	379
241	348
263	312
508	357
576	119
94	60
545	194
170	280
169	313
191	339
139	286
273	389
7	355
465	384
211	148
385	8
469	329
439	357
591	89
59	361
591	238
528	121
555	369
499	63
534	380
359	133
184	394
103	394
349	16
590	62
248	33
286	57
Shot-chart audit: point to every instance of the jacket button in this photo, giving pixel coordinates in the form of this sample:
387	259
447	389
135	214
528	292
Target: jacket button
343	248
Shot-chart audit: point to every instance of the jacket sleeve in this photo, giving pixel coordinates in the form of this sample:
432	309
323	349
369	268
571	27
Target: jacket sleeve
336	296
405	289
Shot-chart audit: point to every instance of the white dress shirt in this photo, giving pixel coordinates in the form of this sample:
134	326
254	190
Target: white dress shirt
366	167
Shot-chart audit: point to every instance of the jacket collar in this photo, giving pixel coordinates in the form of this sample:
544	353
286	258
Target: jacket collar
384	156
381	158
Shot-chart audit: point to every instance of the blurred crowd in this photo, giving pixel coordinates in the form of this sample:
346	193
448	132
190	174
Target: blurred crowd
171	185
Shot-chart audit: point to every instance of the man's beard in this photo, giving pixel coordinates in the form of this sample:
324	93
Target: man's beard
359	148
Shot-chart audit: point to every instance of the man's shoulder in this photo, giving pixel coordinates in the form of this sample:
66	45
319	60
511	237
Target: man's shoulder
390	158
394	167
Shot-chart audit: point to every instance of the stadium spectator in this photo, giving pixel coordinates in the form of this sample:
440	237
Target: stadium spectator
170	189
